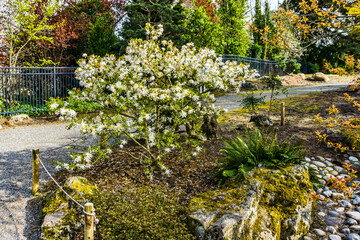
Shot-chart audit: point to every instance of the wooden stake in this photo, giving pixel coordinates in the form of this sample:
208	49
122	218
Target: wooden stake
35	171
89	222
282	114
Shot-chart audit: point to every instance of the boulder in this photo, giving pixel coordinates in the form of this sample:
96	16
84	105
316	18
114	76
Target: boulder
61	219
248	85
269	204
261	120
19	118
321	77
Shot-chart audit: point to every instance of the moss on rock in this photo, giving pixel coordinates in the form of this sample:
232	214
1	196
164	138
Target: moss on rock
60	221
280	205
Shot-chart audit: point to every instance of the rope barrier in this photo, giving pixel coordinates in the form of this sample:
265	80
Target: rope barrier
57	184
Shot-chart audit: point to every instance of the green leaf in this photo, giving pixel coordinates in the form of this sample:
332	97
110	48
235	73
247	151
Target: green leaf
229	173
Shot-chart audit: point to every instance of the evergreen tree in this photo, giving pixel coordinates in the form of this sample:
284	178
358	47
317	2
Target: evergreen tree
140	12
232	15
256	48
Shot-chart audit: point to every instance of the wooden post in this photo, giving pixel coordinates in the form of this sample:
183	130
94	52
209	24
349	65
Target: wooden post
282	114
89	222
35	171
103	141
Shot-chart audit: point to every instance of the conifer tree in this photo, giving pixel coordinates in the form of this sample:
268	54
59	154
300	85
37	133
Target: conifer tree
165	12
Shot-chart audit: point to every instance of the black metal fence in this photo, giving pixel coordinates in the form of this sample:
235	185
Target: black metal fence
25	89
263	67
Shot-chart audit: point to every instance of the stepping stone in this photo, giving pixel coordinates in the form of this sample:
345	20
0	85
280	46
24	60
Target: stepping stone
353	159
346	204
345	231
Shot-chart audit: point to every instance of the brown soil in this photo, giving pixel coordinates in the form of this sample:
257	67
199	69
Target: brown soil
38	120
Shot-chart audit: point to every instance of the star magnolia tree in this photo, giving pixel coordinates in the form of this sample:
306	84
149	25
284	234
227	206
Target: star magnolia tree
147	94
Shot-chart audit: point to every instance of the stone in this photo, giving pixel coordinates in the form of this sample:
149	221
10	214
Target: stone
19	118
340	209
321	214
319	164
328	163
334	237
340	169
332	221
261	120
357	209
56	209
52	219
353	159
346	204
335	173
323	182
352	236
338	195
314	167
319	76
350	221
320	158
345	230
356	201
333	213
327	193
307	159
355	227
1	127
257	208
330	229
354	215
319	232
329	169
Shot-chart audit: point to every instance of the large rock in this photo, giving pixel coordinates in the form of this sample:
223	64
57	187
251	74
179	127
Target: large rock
60	220
19	118
269	204
318	77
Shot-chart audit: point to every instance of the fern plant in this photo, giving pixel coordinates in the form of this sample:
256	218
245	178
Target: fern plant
240	155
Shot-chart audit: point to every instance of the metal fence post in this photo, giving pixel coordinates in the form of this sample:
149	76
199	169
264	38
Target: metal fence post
35	171
89	222
54	69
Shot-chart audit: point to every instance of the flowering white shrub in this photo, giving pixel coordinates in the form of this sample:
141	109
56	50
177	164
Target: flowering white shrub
148	93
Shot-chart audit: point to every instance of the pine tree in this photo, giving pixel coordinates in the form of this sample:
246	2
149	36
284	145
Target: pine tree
156	12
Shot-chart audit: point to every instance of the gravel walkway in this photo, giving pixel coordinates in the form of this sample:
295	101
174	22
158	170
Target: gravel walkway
19	212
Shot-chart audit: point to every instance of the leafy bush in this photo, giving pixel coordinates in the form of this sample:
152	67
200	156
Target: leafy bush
348	127
314	67
140	213
240	155
287	66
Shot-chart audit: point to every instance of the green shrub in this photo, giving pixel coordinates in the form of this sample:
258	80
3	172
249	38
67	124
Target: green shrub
314	67
240	155
140	213
287	66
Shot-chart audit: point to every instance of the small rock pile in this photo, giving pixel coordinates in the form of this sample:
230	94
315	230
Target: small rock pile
339	214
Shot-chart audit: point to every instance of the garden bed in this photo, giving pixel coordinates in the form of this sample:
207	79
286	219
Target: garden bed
191	176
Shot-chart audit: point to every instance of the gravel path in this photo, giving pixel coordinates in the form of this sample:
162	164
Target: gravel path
19	212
